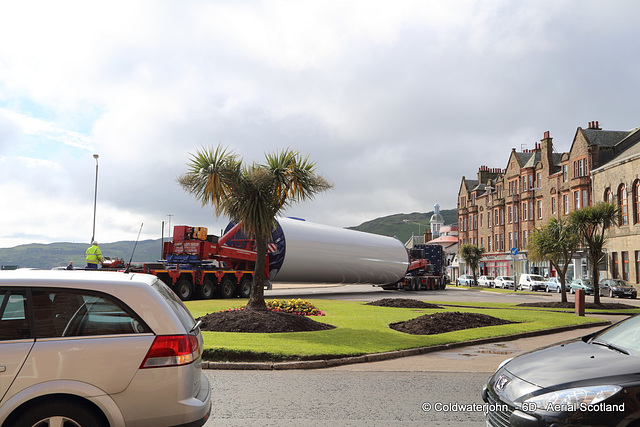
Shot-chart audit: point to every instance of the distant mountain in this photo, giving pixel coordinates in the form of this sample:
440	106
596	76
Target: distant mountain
47	256
395	225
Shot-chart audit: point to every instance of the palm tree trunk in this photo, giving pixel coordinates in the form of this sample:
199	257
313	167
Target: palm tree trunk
595	273
256	297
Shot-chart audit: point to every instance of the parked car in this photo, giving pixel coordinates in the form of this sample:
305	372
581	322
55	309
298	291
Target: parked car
531	282
505	282
466	280
552	284
488	281
585	284
617	287
594	380
98	349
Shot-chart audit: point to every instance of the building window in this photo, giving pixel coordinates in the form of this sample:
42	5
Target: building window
524	211
539	179
515	213
614	265
539	209
565	173
622	200
509	210
524	238
636	202
625	266
531	210
576	200
608	196
501	216
581	167
585	201
565	198
637	266
553	205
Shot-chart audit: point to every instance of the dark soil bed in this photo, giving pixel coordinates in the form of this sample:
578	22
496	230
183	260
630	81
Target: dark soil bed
571	305
402	303
439	323
259	322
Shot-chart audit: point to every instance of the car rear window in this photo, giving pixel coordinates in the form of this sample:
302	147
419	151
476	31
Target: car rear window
72	313
176	304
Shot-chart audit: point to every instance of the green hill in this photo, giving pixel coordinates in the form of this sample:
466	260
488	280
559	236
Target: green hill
403	225
47	256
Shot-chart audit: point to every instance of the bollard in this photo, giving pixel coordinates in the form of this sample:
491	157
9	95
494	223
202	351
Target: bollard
580	302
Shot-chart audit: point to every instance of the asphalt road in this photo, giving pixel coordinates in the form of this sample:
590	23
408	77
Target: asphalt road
439	389
451	293
346	398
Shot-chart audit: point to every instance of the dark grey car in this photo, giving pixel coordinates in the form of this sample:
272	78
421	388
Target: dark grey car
617	288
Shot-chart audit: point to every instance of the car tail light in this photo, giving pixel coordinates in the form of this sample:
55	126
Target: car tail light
172	350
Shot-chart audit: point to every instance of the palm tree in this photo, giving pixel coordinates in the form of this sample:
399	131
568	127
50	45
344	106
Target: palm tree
555	242
592	222
253	194
472	254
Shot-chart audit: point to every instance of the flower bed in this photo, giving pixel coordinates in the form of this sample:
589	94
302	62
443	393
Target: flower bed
293	306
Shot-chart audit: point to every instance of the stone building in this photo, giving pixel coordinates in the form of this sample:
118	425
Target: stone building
618	181
501	207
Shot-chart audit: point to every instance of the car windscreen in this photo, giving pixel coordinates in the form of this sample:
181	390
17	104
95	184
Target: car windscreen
178	307
625	335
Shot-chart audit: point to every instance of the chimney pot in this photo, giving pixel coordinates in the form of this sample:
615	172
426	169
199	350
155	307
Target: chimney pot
597	125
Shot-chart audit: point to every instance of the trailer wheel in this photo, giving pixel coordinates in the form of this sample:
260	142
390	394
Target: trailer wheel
227	287
244	288
184	289
208	289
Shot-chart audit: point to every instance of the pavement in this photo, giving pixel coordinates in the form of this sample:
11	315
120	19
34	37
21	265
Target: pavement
478	356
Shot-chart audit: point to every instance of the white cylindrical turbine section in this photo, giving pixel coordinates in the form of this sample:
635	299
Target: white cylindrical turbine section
318	253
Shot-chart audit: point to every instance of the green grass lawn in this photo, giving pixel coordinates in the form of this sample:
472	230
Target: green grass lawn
364	329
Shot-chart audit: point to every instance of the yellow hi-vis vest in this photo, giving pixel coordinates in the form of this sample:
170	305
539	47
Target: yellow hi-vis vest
93	255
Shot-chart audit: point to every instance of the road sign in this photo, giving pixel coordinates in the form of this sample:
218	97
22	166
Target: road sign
514	251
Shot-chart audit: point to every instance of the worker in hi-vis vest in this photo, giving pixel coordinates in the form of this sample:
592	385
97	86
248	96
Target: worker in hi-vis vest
93	255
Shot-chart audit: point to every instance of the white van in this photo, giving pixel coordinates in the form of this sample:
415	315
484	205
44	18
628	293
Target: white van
531	282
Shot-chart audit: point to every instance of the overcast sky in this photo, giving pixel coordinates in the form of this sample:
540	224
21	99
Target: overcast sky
394	100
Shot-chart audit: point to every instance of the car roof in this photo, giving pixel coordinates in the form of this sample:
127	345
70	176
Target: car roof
71	278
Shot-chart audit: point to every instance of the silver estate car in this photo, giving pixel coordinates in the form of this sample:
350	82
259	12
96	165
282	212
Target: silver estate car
89	348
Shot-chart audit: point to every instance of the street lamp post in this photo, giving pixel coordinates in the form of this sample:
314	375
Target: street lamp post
95	199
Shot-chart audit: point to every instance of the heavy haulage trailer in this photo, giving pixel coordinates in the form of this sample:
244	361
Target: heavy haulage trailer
426	269
199	265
